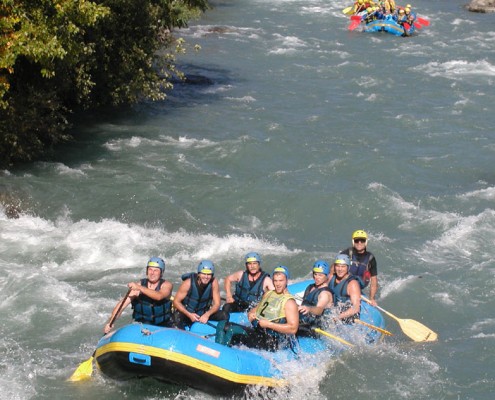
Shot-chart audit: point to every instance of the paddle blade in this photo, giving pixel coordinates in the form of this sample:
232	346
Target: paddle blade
354	24
423	21
348	10
356	18
83	372
417	331
417	25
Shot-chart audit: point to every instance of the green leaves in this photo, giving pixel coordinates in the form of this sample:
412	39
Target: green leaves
80	54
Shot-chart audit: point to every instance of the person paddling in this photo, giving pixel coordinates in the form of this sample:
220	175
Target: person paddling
150	298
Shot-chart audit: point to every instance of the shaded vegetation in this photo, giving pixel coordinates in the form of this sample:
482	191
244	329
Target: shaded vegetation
61	56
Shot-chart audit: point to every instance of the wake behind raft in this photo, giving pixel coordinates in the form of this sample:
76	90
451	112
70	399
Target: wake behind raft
193	358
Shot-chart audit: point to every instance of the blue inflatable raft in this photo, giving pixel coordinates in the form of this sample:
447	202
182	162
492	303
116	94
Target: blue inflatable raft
193	358
388	25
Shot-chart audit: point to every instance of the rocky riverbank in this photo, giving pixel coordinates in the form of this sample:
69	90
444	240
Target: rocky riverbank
482	6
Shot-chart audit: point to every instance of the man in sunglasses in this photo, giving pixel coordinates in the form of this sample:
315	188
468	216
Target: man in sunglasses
363	263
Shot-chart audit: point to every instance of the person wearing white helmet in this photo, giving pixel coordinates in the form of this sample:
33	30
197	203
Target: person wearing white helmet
150	298
363	263
251	283
198	297
345	289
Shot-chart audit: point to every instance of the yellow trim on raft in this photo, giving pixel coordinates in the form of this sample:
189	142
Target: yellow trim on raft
190	362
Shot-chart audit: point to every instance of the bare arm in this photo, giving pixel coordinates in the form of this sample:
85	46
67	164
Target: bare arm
268	284
215	305
235	277
354	292
373	289
164	292
180	296
324	299
113	317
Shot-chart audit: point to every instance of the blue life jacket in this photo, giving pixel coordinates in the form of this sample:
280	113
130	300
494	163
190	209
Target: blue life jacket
340	296
248	293
198	300
339	290
360	267
310	298
150	311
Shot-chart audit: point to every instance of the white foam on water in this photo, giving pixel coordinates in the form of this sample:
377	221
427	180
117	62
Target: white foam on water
457	69
484	194
396	286
199	31
16	362
244	99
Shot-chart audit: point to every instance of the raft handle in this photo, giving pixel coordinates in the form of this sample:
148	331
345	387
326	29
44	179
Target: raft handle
141	359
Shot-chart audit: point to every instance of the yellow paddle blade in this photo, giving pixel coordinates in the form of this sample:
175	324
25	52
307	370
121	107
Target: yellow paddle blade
414	329
318	330
82	372
348	10
417	331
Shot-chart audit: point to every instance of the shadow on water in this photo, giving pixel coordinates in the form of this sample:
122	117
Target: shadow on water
92	129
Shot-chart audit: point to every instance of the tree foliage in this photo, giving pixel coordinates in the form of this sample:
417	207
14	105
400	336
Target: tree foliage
58	56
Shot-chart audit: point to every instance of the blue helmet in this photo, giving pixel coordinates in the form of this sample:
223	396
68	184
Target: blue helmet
156	262
342	259
252	257
206	267
321	267
283	269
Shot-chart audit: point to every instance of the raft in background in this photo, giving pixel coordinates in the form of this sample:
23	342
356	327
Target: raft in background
388	25
192	358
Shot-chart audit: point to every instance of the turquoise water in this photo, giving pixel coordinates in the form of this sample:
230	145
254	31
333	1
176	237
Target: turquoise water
305	132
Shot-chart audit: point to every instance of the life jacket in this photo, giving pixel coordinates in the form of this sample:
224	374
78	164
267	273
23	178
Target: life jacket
198	300
272	308
150	311
248	292
339	290
310	298
340	296
361	268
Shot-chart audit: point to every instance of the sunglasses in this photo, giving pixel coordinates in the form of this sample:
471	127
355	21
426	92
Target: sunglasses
359	240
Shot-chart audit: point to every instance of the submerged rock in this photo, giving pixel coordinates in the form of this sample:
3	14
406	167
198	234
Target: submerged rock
10	204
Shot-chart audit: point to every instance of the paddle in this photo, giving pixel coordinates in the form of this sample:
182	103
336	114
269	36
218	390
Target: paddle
327	334
376	328
348	10
423	21
354	24
85	369
414	329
